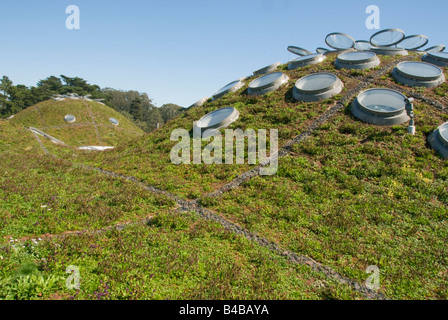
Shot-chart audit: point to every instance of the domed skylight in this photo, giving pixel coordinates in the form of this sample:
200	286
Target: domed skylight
70	118
318	86
339	41
357	60
231	87
418	74
439	140
381	107
306	60
268	69
267	83
299	51
413	42
389	51
438	58
387	37
114	121
217	119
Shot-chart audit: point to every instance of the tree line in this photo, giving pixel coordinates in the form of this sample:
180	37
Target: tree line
136	106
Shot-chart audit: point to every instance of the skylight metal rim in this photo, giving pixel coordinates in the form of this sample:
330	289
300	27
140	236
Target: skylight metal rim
442	139
431	54
274	85
414	77
115	124
331	87
232	117
340	34
362	41
69	121
371	59
384	31
238	85
322	49
290	48
267	69
432	60
389	51
433	47
414	36
317	58
380	113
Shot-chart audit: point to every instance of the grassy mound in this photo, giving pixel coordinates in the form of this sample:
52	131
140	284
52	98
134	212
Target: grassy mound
92	126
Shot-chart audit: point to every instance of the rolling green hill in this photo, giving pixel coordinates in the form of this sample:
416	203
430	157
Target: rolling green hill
347	195
92	126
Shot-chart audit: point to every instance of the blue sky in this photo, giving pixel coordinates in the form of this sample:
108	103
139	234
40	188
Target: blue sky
179	51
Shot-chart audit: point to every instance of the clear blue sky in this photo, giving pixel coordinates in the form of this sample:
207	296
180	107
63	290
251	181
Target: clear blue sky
179	51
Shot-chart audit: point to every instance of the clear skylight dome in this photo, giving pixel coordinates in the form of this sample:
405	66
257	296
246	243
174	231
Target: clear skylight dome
357	60
114	121
438	58
363	45
413	42
418	74
339	41
306	60
390	51
268	69
299	51
70	118
381	107
198	103
437	48
217	119
318	86
267	83
439	140
231	87
322	50
387	37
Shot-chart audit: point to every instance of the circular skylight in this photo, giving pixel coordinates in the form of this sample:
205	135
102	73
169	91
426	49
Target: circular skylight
438	58
439	139
390	51
318	86
380	107
217	119
231	87
339	41
413	42
267	69
363	45
306	60
387	37
70	118
418	74
322	50
198	103
267	83
443	132
114	121
437	48
299	51
357	60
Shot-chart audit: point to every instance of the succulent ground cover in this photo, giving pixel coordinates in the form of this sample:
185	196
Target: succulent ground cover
348	195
